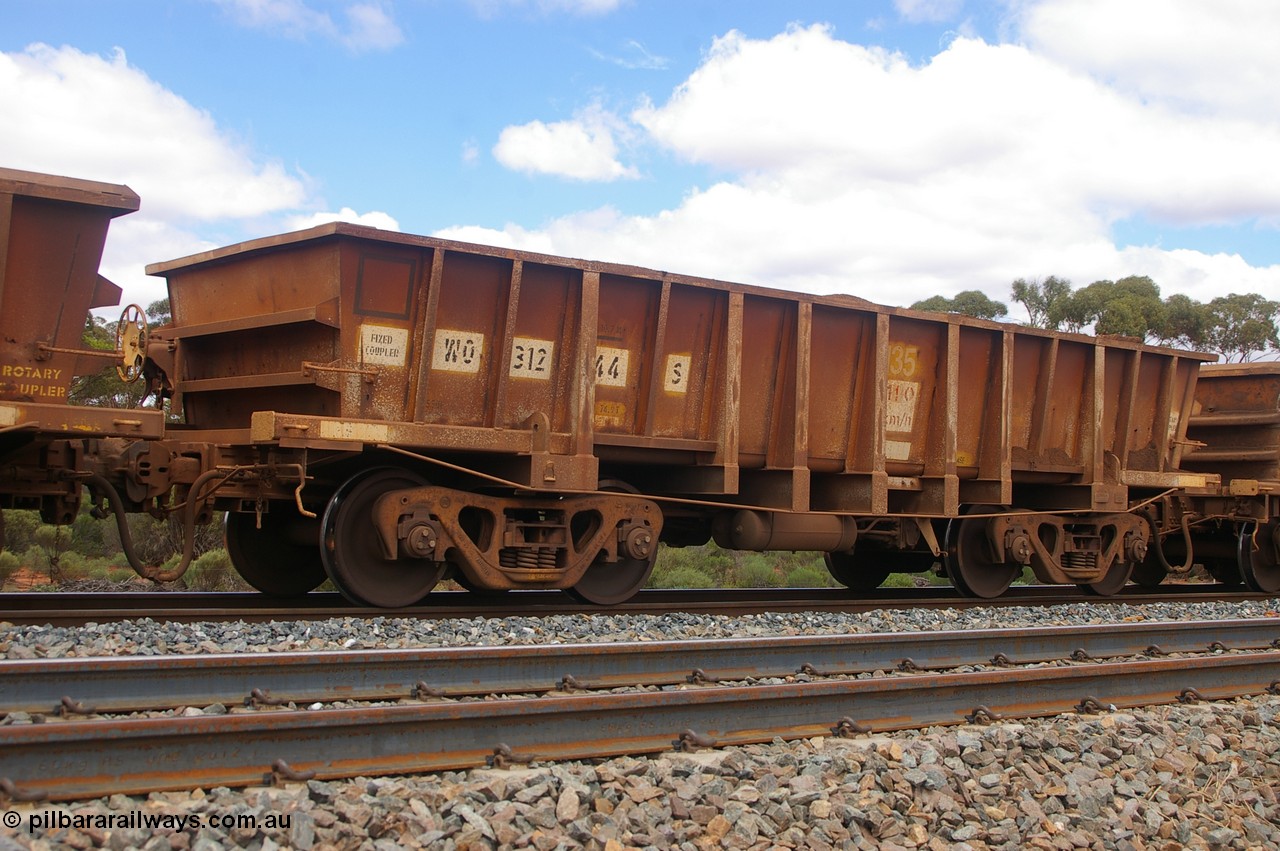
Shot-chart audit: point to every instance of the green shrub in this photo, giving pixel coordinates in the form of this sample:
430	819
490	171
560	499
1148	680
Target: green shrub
899	580
72	566
9	564
32	557
713	564
20	530
682	577
809	576
757	571
49	548
212	572
789	561
111	570
89	535
708	559
108	568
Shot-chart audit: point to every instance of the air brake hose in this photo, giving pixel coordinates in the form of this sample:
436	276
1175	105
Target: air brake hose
100	485
1186	537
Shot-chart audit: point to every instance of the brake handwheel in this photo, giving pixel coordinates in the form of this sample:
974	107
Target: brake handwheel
131	343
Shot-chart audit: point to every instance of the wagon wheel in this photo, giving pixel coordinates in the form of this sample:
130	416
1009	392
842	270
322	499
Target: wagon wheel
268	559
1258	557
1150	572
969	560
1219	553
1225	571
610	583
869	565
855	572
1117	576
131	343
350	551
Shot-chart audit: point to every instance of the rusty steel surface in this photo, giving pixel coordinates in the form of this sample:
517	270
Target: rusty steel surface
678	384
869	432
68	420
483	566
52	231
118	684
84	759
1237	418
1232	526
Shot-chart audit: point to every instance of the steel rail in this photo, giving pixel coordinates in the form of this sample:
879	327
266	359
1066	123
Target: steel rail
126	683
83	759
74	608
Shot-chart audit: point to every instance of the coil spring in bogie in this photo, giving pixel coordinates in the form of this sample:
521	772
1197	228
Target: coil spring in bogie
1079	560
527	558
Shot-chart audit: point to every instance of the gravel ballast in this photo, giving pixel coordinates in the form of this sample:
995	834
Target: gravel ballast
147	637
1169	777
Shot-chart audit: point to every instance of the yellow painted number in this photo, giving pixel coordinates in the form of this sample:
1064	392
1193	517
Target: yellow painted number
903	360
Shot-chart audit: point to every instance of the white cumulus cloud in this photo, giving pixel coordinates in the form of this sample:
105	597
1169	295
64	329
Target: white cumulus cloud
363	26
849	168
1219	57
580	149
373	219
102	118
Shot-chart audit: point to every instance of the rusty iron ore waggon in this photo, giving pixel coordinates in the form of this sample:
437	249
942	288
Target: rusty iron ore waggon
388	410
1234	434
52	232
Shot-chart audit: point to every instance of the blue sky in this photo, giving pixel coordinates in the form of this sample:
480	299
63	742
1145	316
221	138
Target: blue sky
892	149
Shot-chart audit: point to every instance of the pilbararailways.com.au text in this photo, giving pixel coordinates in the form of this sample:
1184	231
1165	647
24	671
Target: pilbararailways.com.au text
137	820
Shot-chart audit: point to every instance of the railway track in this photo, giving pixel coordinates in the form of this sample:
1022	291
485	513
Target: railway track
75	609
445	712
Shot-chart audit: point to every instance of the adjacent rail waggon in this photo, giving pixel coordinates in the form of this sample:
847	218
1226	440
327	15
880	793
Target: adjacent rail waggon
388	410
52	233
1230	528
